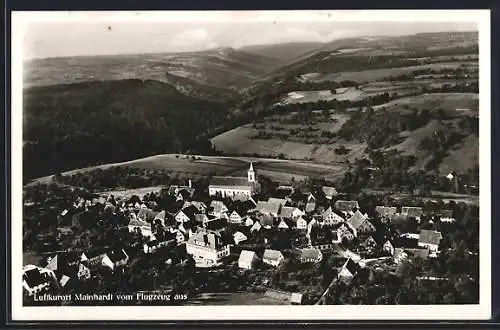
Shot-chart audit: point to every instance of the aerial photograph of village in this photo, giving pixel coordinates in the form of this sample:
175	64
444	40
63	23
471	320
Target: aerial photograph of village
250	163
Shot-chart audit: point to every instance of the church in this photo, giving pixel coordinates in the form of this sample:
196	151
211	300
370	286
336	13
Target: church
234	187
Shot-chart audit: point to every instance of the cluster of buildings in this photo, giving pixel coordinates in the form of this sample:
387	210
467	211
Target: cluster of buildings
207	231
66	268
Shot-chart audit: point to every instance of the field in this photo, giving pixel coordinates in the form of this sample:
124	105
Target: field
276	169
380	74
458	103
341	94
288	136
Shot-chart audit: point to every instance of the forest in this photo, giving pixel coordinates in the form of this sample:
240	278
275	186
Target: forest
78	125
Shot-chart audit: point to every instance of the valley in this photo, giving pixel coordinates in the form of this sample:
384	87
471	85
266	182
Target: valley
302	103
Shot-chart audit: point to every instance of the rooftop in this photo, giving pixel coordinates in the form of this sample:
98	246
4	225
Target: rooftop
430	237
357	219
272	254
229	181
346	206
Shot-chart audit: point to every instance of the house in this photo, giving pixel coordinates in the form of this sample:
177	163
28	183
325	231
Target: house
247	259
235	217
310	203
321	238
399	255
388	247
418	253
284	192
150	246
329	192
348	271
64	266
146	215
359	224
343	232
181	193
179	237
311	223
239	237
143	227
218	209
202	218
299	198
249	222
160	217
168	239
83	272
411	211
283	225
289	212
446	216
386	211
430	239
256	226
37	279
186	214
215	226
207	249
111	260
370	242
301	223
268	208
272	257
331	218
116	259
240	210
95	260
296	298
200	206
347	207
234	187
267	221
280	201
310	255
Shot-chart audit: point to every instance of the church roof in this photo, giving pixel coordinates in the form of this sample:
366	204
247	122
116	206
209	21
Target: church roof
229	181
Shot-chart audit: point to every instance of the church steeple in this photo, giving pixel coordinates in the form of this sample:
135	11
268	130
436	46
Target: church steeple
251	173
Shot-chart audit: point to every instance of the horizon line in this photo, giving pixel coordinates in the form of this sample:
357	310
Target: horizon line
243	46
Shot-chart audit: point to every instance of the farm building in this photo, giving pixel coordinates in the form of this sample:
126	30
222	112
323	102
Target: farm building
247	259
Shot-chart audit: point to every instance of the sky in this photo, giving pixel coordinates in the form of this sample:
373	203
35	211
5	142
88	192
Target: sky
100	35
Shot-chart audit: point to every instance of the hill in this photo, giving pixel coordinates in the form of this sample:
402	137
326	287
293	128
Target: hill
287	52
198	166
75	125
342	102
213	74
